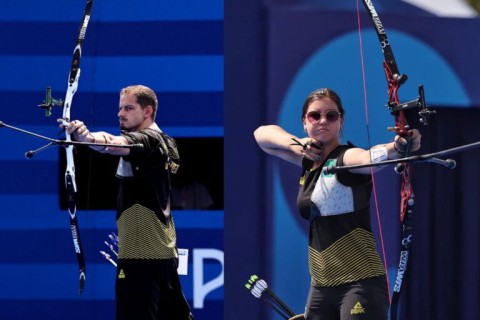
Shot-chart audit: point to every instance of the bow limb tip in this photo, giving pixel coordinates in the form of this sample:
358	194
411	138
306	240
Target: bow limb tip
82	281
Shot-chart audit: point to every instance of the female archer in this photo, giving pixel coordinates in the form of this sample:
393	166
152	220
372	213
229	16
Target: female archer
348	280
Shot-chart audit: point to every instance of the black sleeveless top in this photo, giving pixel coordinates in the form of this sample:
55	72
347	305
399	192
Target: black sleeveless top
342	247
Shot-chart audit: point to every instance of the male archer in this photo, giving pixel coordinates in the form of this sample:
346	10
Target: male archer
147	283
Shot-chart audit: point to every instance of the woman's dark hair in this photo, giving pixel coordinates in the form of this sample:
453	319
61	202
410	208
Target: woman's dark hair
321	94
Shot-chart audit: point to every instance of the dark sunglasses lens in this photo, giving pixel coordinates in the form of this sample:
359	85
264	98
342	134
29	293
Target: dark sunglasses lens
313	116
332	116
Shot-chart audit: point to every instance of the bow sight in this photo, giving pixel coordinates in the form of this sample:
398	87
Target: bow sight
50	102
419	103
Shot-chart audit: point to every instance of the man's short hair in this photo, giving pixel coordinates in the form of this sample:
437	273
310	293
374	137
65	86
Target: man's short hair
145	97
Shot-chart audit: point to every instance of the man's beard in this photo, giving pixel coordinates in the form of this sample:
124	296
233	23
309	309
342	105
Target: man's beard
128	129
123	127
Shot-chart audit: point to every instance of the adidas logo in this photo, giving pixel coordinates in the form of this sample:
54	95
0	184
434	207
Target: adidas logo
357	309
302	180
121	275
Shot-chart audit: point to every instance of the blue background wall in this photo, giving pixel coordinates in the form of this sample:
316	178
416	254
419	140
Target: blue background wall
174	47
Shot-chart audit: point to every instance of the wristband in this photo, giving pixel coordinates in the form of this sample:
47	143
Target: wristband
378	153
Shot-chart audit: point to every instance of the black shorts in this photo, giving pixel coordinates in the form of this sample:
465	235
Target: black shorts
361	300
149	290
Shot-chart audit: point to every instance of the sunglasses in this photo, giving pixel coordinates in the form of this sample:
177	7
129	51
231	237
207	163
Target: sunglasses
330	115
